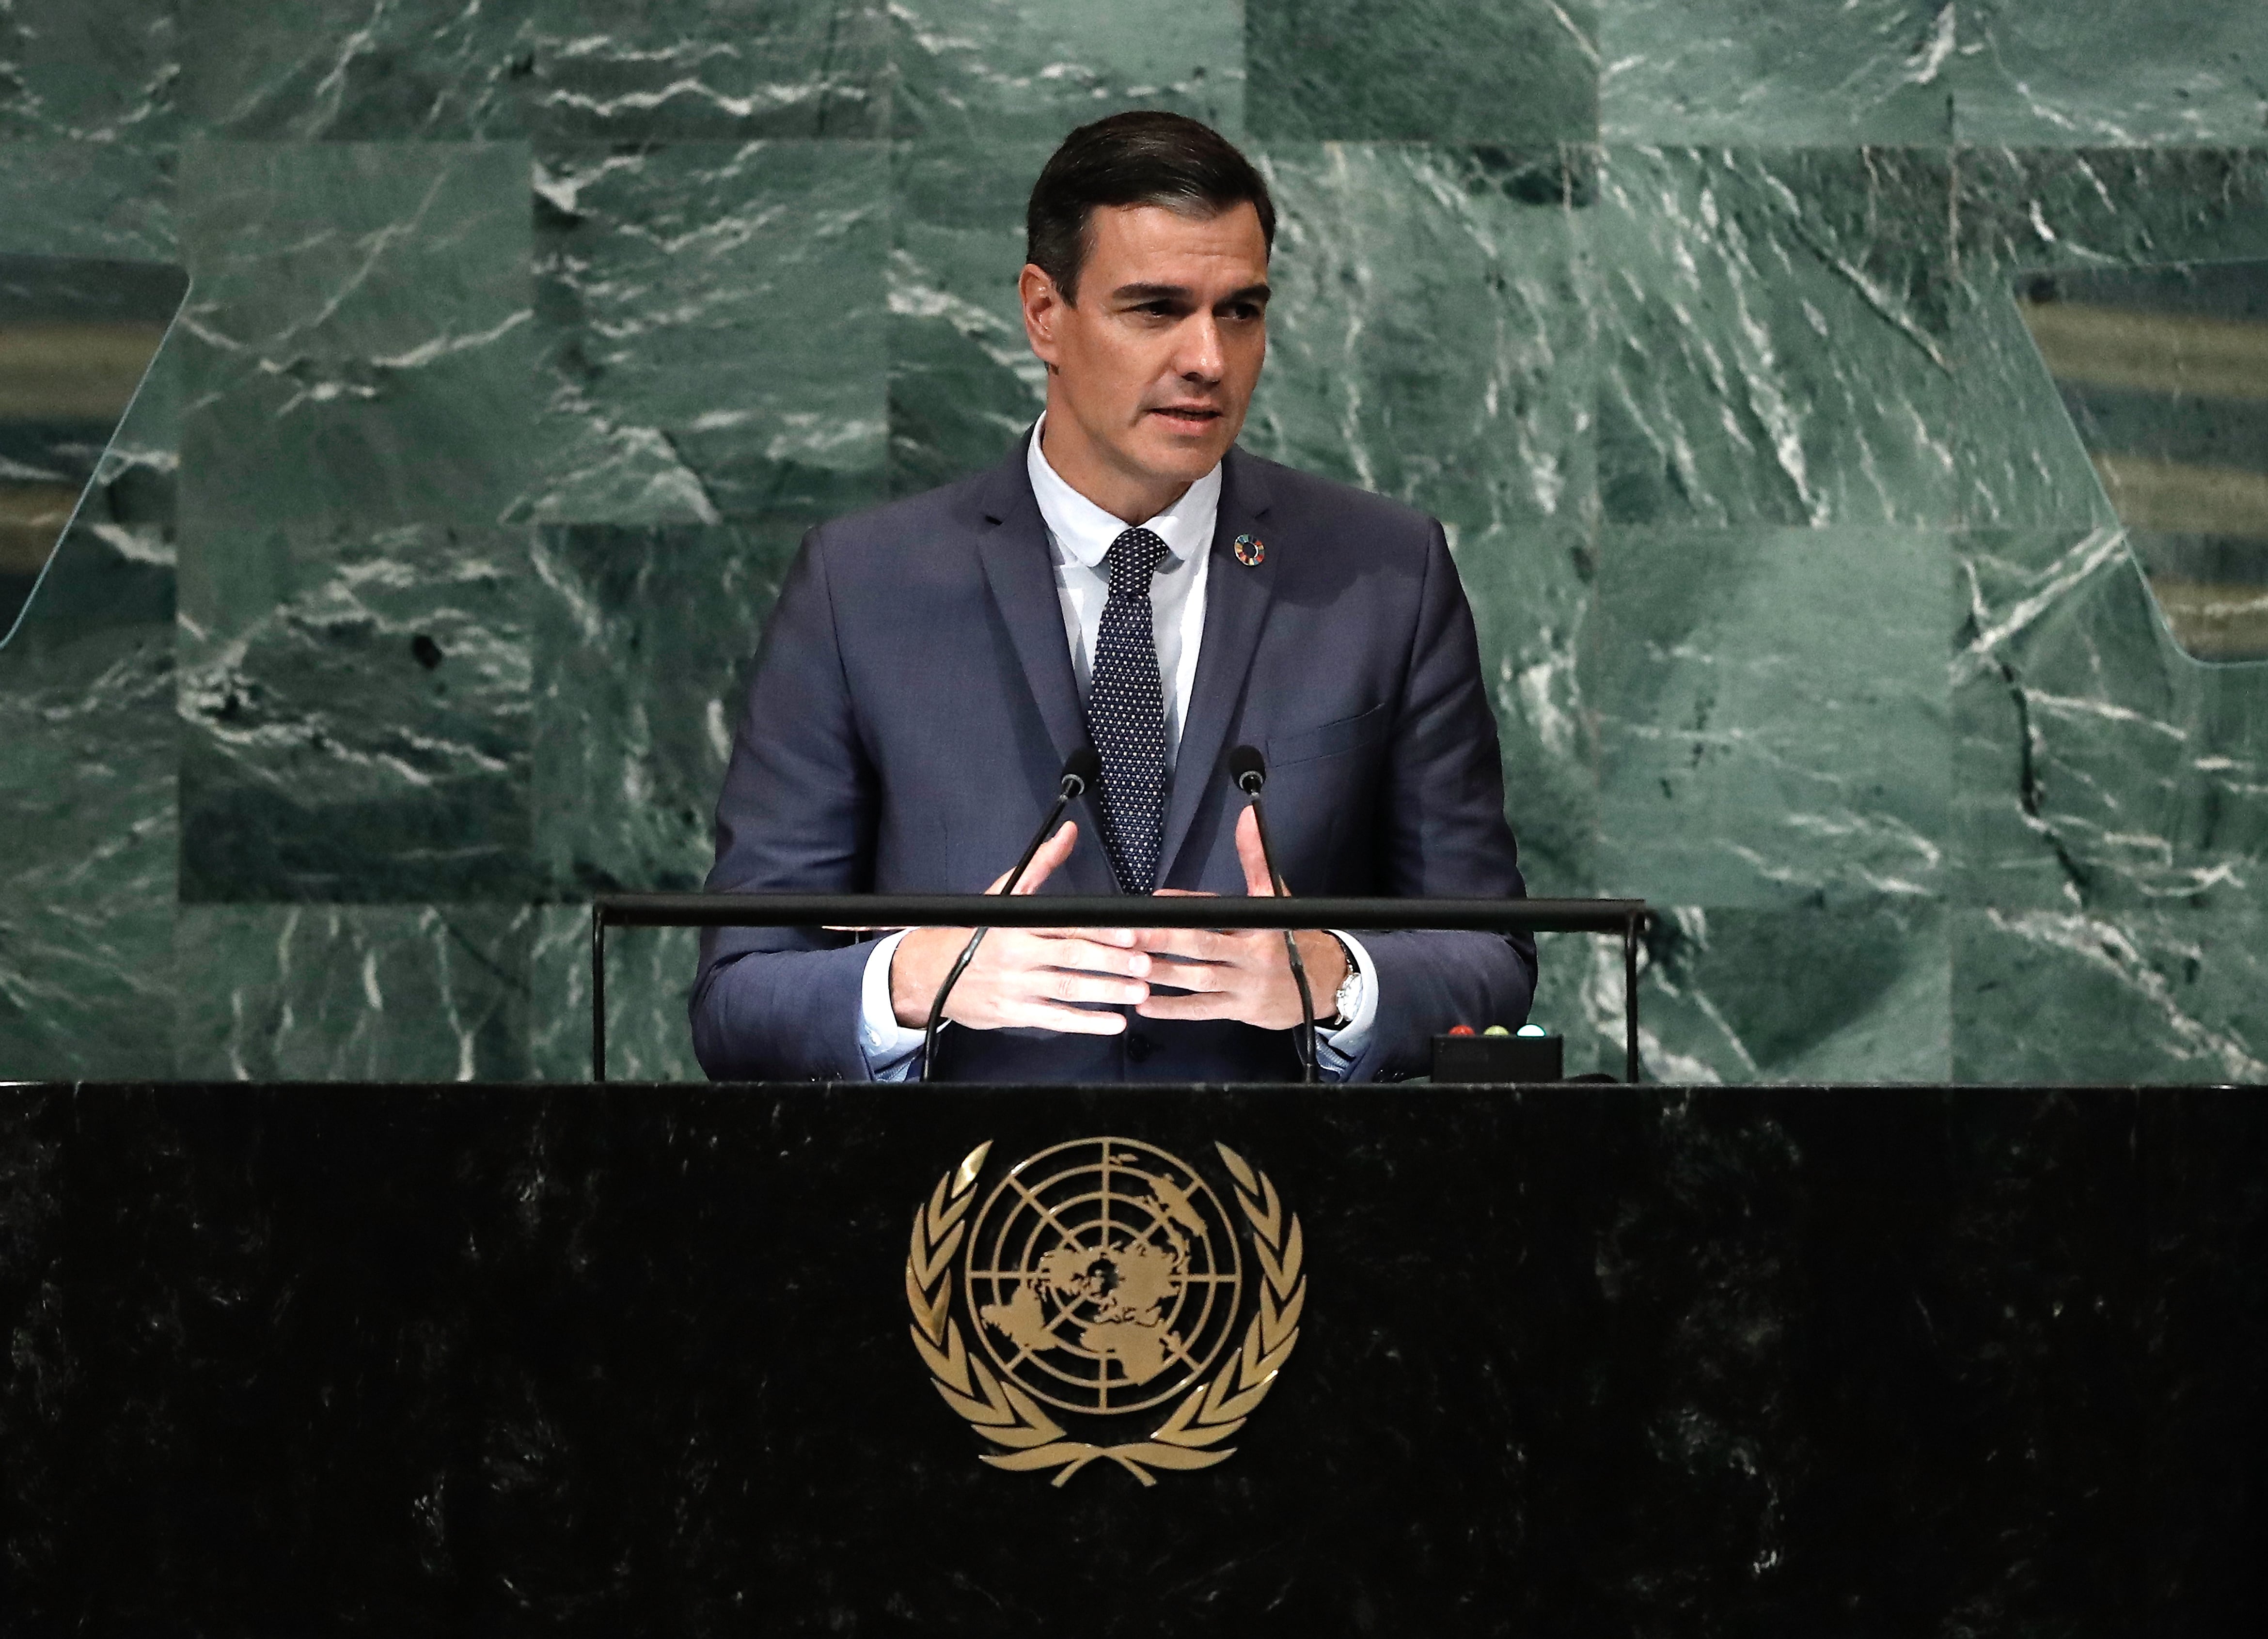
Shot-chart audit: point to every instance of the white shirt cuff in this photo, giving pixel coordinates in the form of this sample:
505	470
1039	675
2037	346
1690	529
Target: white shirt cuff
890	1046
1337	1050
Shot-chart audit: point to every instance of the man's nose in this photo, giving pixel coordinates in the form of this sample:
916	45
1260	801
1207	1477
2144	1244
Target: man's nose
1199	357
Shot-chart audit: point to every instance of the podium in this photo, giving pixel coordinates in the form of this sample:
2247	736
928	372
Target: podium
1596	1359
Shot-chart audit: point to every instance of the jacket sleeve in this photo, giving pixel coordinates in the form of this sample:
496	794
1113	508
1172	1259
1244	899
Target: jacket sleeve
1443	833
798	814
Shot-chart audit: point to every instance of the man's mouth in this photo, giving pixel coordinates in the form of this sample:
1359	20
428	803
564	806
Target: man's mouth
1190	417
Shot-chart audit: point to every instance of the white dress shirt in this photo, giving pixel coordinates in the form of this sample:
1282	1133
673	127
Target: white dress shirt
1079	536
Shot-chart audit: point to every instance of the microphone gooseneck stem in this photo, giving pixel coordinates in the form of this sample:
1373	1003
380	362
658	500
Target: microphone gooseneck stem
1307	1037
1068	788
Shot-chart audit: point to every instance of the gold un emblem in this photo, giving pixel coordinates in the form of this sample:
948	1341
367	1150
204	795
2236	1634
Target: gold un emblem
1103	1279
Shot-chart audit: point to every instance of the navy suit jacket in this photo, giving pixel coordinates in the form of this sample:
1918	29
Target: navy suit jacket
913	702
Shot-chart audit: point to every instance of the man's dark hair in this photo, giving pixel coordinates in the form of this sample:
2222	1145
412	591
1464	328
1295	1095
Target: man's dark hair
1144	157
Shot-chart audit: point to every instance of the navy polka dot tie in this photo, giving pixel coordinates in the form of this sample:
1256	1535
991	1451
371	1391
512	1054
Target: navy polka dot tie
1126	715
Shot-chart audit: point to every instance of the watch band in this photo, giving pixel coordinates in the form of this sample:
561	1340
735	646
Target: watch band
1349	995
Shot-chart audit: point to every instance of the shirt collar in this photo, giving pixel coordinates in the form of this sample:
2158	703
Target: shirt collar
1083	532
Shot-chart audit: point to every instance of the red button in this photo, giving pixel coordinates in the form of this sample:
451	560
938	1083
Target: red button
1460	1029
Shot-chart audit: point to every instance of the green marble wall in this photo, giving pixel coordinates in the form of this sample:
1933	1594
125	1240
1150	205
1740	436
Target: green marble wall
527	337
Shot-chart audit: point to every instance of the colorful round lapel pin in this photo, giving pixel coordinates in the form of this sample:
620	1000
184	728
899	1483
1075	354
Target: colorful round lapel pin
1250	549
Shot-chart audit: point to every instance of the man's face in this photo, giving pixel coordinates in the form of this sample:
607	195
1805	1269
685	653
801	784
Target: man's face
1157	360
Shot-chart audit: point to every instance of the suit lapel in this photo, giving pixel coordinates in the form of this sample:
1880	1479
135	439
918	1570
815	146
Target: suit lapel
1014	550
1236	607
1012	545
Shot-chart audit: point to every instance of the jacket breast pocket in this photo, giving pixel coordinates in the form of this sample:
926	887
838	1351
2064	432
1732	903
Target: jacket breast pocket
1330	739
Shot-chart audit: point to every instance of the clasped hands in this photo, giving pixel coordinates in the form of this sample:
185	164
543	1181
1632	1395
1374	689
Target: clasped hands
1070	979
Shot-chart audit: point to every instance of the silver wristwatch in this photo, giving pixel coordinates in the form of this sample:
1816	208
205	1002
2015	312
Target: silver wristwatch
1350	993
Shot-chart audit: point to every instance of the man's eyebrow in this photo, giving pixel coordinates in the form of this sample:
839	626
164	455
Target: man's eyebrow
1181	292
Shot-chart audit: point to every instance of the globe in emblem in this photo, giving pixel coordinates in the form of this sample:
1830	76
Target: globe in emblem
1103	1276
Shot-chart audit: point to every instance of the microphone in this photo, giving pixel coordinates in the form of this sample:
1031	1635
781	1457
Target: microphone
1250	770
1082	769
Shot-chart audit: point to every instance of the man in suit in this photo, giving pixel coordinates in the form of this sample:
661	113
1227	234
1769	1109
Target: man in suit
1128	578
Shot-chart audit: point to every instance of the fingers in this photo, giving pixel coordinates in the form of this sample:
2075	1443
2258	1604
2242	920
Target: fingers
1243	976
1253	993
1071	948
1002	1001
1208	978
1213	1004
1192	944
1072	979
1073	970
1249	855
1124	938
1023	979
1052	853
1171	941
1070	1021
1097	989
1191	958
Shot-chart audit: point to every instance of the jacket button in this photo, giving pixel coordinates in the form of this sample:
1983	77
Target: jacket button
1137	1045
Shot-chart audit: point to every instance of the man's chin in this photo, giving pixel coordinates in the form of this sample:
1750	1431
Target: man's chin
1185	448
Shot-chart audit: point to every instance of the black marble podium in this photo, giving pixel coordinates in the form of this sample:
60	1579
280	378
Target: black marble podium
1597	1360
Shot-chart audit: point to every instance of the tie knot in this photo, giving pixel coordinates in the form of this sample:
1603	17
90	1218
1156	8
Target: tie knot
1132	558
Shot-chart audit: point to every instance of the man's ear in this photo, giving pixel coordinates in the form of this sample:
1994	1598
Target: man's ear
1044	304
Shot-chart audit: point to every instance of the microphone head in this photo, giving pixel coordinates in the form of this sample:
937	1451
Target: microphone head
1080	769
1248	769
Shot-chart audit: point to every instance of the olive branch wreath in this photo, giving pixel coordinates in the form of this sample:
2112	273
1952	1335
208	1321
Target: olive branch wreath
1006	1416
